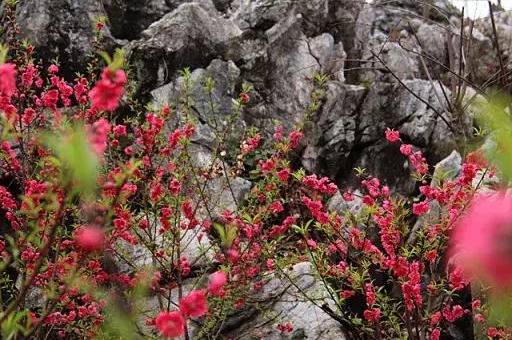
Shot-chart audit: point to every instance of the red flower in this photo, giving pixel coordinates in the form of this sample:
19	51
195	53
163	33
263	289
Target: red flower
170	324
436	334
406	149
457	280
90	238
454	313
216	283
119	130
283	175
194	304
7	79
295	138
392	136
276	207
98	136
53	68
244	98
372	315
420	208
108	90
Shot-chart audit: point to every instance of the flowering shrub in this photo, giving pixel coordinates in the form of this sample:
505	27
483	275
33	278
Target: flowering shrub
84	189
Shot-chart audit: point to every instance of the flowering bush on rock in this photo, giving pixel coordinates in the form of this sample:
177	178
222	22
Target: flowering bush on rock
98	210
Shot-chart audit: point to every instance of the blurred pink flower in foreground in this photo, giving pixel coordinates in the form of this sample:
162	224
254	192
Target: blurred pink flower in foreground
482	241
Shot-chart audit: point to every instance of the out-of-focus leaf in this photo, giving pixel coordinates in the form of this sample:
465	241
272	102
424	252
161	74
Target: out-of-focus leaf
78	159
118	325
13	325
116	62
495	117
227	234
3	53
500	310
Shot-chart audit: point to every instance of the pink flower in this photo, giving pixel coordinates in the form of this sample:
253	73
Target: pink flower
53	68
90	238
311	244
276	207
295	138
119	130
348	196
481	240
170	324
436	334
284	175
50	98
370	294
420	208
457	280
216	283
194	304
372	315
435	318
454	313
392	136
406	149
98	136
108	90
267	165
7	79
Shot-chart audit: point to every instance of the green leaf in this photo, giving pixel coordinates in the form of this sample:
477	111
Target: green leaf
13	325
495	117
500	310
115	63
80	163
3	53
227	234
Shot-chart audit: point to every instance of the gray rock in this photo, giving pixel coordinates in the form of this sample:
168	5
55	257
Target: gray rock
333	137
349	130
263	14
286	303
210	109
197	249
447	169
60	28
422	123
225	76
140	14
341	206
294	64
485	60
224	194
188	36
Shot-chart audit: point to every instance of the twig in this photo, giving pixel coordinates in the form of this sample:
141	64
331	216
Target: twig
495	35
413	93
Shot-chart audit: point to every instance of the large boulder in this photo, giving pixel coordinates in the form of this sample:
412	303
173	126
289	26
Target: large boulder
190	36
138	13
348	130
263	14
60	28
283	301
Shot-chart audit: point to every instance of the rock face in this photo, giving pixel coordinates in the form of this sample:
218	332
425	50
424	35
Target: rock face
189	36
60	28
288	304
